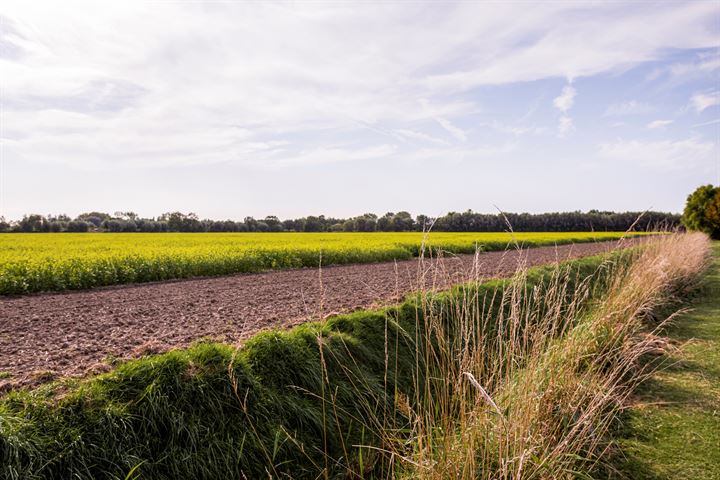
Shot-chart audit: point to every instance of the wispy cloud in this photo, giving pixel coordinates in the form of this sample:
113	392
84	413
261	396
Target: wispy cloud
703	100
665	154
404	134
321	156
631	107
658	124
705	124
704	63
565	125
456	132
514	129
566	99
325	68
564	103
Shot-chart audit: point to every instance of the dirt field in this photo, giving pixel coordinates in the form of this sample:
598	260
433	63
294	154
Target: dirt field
70	334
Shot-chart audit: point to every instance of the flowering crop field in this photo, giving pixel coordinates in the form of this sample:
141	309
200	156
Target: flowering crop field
67	261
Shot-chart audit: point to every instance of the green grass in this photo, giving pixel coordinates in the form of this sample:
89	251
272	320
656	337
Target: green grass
673	432
66	261
280	406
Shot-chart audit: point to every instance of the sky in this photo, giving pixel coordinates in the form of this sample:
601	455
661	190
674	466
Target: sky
234	109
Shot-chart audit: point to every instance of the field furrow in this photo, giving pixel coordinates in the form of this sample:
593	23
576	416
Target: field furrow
49	335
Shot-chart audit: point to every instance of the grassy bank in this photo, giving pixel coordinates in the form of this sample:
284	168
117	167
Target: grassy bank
508	379
67	261
673	429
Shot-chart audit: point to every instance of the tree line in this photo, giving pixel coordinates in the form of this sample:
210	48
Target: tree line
468	221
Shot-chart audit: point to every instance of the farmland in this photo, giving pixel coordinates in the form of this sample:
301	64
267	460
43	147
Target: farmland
325	397
54	262
80	329
359	240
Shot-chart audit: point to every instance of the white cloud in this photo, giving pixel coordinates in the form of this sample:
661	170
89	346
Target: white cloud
456	132
516	130
404	134
658	124
325	155
458	154
135	84
705	124
632	107
576	39
704	100
565	101
565	126
664	155
705	63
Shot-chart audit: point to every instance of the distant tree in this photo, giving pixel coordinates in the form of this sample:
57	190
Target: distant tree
363	223
293	225
128	215
147	225
402	222
31	223
78	226
384	223
467	221
313	224
96	218
4	225
423	223
58	218
273	223
113	225
702	211
180	222
250	224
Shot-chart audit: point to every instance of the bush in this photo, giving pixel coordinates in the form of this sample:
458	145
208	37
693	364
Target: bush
702	211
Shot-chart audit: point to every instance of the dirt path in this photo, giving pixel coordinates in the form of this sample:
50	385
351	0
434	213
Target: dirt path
49	335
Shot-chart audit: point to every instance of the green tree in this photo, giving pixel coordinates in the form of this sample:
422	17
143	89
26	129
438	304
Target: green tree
702	211
313	224
31	223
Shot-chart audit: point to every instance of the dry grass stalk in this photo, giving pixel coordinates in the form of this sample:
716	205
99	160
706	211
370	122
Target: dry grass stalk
552	366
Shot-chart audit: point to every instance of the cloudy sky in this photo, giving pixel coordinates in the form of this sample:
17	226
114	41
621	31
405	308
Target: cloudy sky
231	109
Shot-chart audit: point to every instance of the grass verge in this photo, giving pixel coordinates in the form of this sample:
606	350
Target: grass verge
672	430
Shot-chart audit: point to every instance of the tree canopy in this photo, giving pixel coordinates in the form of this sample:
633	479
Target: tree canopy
702	211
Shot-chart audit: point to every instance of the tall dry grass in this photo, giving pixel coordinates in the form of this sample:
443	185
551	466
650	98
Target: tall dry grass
526	383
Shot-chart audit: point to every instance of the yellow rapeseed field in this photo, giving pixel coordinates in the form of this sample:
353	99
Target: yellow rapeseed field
63	261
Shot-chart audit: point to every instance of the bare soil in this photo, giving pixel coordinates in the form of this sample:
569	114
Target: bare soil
46	336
